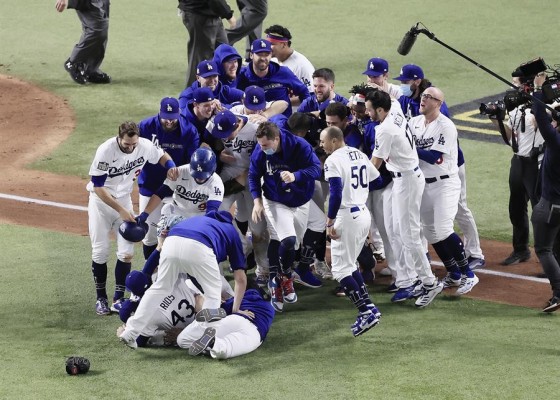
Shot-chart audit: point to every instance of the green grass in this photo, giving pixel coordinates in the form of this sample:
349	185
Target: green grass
455	349
461	349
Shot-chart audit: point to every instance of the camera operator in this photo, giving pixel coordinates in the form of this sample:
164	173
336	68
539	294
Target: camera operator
522	134
546	214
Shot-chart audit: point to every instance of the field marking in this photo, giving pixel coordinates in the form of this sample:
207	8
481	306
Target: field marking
437	263
42	202
502	274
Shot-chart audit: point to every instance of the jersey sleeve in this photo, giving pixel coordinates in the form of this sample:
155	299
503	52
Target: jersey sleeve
331	170
154	153
217	190
382	146
373	173
100	164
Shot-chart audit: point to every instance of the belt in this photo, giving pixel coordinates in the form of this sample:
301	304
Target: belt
522	157
355	209
399	174
434	179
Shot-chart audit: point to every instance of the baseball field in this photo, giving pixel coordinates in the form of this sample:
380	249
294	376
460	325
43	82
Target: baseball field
494	343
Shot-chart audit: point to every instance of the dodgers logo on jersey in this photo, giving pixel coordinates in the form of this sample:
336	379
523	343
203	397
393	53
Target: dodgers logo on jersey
126	168
194	196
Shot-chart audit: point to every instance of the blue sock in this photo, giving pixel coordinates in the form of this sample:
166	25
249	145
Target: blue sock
273	257
148	250
151	263
352	290
362	286
122	269
457	249
308	246
287	253
99	278
447	259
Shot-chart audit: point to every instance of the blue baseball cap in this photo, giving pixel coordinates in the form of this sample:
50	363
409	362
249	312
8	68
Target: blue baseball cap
410	72
261	46
207	68
225	122
203	95
137	282
376	67
255	98
169	108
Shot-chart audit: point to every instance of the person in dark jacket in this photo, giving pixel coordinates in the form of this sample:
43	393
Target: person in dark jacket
203	20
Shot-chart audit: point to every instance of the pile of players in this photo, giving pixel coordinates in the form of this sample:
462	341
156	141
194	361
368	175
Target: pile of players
272	141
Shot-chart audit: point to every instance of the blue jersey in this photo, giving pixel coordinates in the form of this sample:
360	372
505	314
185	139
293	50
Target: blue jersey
180	144
312	104
253	301
221	237
353	136
227	95
296	156
278	83
187	118
222	52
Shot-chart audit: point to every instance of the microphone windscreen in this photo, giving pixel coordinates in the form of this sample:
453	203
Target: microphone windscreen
407	42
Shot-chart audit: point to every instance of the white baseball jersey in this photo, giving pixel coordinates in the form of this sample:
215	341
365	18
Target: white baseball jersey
439	135
120	167
177	310
191	197
301	67
240	147
528	139
355	170
394	142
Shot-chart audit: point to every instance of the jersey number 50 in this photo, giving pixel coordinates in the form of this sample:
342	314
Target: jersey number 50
359	177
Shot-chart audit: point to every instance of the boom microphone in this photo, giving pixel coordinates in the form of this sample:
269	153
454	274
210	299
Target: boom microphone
408	40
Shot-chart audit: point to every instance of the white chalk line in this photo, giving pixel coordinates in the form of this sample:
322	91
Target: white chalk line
437	263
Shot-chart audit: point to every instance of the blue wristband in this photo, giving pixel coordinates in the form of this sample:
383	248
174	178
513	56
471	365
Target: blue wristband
169	164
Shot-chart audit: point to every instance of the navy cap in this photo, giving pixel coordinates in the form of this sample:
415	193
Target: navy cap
202	95
410	72
207	68
169	108
225	122
255	98
261	46
376	67
136	282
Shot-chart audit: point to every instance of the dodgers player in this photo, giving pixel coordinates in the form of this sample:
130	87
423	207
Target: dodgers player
288	168
163	131
237	334
436	144
116	164
175	311
349	173
395	144
194	246
237	134
198	189
377	72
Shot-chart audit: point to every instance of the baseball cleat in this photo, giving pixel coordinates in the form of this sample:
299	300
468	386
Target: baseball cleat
102	306
206	341
374	310
276	297
517	257
448	281
117	305
553	304
98	77
408	292
323	270
76	71
211	315
306	279
288	292
429	293
476	263
339	292
467	285
128	340
364	323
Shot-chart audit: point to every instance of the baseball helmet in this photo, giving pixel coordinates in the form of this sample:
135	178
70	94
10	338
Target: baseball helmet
132	231
137	282
203	164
